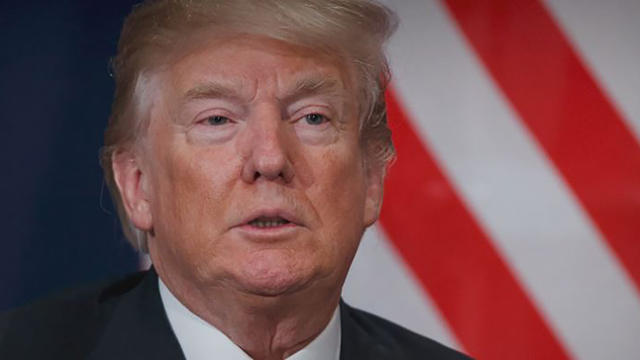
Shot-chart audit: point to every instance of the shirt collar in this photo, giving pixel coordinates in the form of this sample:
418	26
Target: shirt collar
200	340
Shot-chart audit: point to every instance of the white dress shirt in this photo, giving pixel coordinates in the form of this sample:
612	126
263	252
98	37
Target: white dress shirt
202	341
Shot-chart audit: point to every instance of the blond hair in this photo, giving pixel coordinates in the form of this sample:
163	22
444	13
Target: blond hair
354	30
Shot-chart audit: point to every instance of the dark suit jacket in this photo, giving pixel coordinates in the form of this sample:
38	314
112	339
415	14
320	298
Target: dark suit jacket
126	320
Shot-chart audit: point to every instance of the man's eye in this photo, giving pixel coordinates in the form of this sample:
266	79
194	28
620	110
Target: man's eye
217	120
315	119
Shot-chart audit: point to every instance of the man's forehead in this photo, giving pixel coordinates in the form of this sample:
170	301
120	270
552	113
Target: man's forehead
237	64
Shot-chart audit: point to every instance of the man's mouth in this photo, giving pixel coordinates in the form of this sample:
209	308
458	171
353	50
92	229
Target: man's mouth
268	222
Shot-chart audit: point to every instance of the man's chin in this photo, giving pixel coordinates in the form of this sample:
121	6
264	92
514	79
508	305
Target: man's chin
274	286
274	273
275	280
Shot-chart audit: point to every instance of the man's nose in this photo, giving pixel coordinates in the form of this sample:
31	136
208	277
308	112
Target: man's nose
267	149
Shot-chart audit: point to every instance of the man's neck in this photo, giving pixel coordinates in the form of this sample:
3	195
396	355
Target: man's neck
264	327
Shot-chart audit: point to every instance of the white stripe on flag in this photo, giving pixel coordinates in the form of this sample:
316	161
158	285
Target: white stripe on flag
511	187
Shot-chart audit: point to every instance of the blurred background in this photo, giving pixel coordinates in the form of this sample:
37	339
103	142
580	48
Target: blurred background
511	223
58	224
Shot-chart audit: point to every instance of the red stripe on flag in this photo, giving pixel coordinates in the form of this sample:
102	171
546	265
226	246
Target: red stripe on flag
574	121
451	255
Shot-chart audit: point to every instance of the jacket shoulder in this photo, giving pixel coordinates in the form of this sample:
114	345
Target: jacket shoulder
69	322
393	340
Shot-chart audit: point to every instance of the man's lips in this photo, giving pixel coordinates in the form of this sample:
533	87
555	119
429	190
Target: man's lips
270	218
269	225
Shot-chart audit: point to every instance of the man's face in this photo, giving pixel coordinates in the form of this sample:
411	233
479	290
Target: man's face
251	170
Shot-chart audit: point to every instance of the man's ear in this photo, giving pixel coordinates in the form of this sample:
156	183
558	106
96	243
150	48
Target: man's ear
133	187
375	191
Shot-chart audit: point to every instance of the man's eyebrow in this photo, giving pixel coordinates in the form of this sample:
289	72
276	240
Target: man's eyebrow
212	90
313	86
304	87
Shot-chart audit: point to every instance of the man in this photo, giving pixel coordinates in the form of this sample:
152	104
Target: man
246	153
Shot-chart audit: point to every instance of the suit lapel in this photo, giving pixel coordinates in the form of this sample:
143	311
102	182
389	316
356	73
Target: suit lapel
357	342
139	328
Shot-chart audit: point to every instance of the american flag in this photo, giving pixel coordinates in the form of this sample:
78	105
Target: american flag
511	222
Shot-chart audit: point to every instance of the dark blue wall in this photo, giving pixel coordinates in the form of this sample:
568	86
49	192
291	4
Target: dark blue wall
58	225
